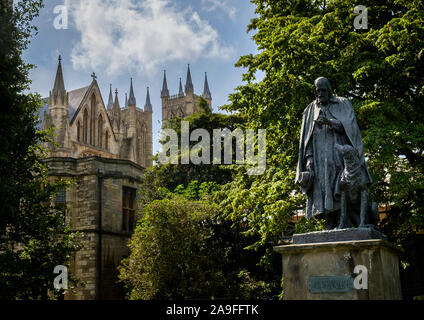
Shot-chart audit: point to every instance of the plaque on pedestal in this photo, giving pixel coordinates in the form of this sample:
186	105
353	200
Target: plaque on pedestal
341	270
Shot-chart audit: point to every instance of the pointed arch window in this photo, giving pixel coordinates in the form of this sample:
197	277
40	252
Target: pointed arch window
107	140
85	126
78	131
100	131
93	120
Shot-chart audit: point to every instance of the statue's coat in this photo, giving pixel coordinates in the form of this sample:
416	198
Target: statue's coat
342	110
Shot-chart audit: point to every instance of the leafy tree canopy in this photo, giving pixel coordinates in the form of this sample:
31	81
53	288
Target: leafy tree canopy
380	70
181	229
33	236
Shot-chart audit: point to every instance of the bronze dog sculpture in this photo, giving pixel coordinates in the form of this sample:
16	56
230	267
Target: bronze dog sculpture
356	209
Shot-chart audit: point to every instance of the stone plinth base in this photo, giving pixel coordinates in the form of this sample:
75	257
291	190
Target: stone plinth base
338	235
326	271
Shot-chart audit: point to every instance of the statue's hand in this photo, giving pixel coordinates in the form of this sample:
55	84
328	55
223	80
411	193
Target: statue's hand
323	121
320	121
335	124
310	164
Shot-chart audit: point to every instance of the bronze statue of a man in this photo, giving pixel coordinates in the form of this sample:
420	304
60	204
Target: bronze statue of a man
331	161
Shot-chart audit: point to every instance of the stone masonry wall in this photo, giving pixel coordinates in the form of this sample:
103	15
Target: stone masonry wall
83	215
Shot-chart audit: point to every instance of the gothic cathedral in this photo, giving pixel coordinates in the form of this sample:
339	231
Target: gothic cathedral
86	127
104	150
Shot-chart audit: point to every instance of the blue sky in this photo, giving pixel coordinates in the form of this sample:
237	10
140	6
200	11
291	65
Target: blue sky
120	39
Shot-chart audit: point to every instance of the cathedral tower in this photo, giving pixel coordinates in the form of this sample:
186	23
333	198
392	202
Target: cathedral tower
185	102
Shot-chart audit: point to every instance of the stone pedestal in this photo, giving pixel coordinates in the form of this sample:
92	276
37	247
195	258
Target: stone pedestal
340	270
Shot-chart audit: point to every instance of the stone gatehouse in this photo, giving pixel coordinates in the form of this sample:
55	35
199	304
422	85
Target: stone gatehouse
101	205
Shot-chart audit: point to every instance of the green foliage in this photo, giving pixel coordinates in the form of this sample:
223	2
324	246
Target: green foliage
167	258
194	191
33	236
177	251
204	106
181	173
380	70
308	225
163	178
183	195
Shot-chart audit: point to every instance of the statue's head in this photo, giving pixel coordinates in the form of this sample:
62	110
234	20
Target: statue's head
323	90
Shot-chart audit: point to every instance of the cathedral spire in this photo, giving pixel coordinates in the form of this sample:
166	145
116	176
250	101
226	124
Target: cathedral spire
110	102
58	108
148	105
116	106
206	91
131	99
165	92
116	111
59	85
189	83
181	92
126	100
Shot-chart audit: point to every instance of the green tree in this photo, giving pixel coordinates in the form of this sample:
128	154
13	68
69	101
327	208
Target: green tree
161	178
182	173
183	195
33	236
181	249
380	70
168	258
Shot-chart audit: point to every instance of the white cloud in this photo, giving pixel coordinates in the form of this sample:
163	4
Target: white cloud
212	5
140	35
